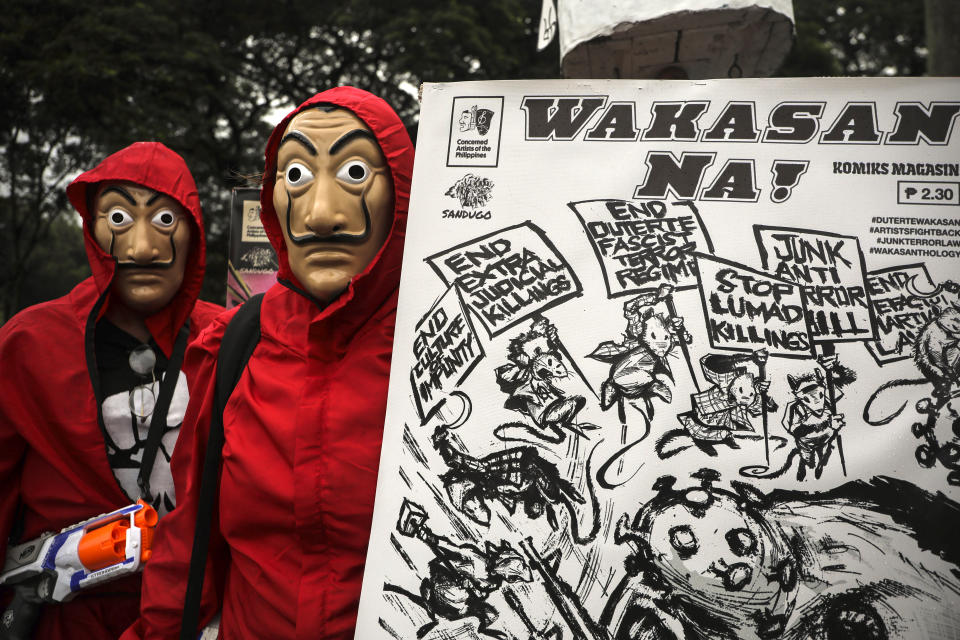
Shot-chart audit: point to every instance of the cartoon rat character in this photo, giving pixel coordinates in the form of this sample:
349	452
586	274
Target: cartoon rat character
811	420
462	576
639	369
936	353
725	409
535	364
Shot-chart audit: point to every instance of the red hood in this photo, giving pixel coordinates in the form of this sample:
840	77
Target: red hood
382	275
151	165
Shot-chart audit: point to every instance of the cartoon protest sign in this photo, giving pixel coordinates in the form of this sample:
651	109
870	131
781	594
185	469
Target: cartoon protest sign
904	301
674	359
830	270
641	245
508	275
747	310
446	348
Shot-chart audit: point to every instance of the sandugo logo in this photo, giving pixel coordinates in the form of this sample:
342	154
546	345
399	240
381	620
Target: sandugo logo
473	192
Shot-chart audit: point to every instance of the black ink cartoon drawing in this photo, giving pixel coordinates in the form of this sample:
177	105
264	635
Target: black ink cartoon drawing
936	354
472	191
709	562
476	118
812	420
639	366
725	410
536	364
461	576
567	605
518	475
809	418
940	433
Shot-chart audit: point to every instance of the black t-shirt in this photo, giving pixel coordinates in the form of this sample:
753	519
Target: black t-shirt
127	403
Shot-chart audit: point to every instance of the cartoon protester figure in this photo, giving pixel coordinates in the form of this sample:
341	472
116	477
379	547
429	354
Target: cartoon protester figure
303	426
462	576
725	411
810	419
92	391
536	364
515	477
936	352
639	365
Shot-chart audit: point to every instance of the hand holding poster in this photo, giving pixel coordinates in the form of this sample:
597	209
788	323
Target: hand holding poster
641	245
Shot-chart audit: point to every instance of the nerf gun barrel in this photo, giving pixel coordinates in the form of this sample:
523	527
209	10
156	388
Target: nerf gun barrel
55	566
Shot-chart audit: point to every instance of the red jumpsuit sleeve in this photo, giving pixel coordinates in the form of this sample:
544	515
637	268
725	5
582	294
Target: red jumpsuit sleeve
12	444
165	575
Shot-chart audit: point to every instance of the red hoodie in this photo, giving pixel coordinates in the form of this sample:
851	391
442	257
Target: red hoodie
53	457
303	430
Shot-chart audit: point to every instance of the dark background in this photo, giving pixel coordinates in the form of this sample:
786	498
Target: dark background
79	80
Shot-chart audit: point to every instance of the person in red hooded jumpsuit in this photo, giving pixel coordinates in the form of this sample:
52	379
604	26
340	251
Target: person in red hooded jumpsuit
304	424
70	439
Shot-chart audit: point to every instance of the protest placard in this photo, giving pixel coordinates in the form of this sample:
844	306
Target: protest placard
641	245
446	349
904	301
508	275
646	329
747	310
830	270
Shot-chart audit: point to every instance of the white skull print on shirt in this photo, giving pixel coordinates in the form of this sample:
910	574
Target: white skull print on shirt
126	437
130	389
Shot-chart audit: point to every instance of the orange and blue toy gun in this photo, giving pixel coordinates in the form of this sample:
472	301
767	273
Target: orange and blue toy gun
56	566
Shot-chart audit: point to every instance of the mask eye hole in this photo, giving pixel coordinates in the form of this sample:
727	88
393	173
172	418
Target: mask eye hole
119	219
354	172
742	541
297	174
164	219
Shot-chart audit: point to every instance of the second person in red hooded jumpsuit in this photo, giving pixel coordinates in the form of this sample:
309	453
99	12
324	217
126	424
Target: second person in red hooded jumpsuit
70	444
304	424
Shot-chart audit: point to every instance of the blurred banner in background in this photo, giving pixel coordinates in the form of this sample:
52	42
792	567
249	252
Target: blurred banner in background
674	39
252	265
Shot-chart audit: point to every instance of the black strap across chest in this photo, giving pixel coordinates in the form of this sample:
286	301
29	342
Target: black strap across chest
158	421
239	340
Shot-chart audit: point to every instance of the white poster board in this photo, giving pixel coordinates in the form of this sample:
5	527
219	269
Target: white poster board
675	360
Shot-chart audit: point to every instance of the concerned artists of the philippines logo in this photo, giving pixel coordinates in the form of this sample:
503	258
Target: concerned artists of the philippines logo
479	120
476	118
473	192
475	126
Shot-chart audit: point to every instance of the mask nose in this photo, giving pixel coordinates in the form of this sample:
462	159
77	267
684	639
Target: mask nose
325	217
142	249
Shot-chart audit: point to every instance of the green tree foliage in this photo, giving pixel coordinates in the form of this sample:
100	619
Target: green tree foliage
857	38
80	80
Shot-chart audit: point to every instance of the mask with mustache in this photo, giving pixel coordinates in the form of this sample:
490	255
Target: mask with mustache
149	235
334	198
